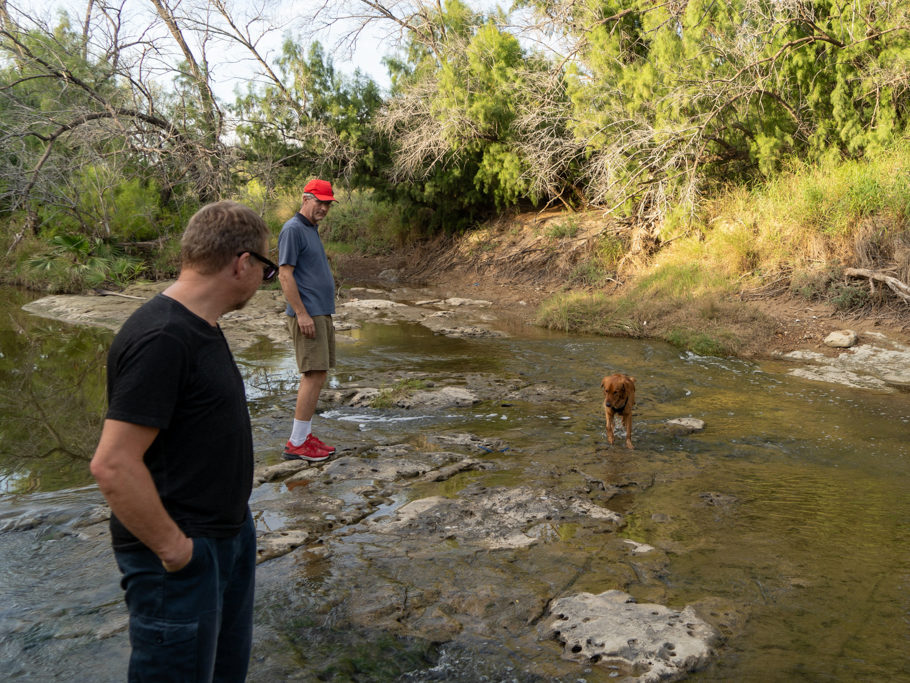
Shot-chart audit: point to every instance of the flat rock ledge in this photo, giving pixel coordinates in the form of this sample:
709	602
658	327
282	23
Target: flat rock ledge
879	363
646	643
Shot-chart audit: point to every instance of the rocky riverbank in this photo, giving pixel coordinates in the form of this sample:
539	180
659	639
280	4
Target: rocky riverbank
436	542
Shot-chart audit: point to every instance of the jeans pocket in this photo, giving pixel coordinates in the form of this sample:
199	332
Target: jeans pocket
197	560
163	649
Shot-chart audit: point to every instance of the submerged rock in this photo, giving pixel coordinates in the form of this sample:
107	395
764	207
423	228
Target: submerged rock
492	518
681	426
469	441
648	642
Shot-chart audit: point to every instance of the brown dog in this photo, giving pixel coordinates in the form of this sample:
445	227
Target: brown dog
619	399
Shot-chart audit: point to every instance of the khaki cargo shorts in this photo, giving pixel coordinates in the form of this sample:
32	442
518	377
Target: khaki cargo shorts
314	355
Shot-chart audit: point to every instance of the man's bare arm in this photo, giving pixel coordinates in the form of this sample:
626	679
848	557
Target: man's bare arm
127	485
289	288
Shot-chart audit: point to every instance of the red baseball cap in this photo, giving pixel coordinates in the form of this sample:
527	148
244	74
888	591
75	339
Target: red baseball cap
321	189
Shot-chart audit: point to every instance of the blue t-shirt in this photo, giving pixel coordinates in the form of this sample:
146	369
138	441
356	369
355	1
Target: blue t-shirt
299	246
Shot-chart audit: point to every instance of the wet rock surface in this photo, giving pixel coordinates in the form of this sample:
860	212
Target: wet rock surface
872	362
457	549
650	642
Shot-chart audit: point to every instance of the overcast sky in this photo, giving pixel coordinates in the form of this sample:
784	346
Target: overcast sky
231	65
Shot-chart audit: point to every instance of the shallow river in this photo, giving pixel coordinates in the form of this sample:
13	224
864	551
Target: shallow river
792	505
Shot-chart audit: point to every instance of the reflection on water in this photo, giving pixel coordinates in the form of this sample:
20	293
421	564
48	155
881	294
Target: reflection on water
791	506
51	398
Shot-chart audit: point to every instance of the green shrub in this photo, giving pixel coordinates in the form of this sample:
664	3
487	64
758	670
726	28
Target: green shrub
368	225
73	263
847	297
567	228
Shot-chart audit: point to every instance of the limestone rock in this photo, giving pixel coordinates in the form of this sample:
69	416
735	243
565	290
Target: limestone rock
648	642
681	426
493	519
447	397
470	441
277	543
279	471
371	304
882	364
841	339
639	548
457	301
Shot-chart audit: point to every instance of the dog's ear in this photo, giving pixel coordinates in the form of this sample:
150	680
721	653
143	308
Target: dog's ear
603	383
631	379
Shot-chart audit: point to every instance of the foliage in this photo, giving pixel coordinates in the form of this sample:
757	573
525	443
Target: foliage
590	313
73	263
698	342
655	111
667	100
367	224
456	97
310	121
560	229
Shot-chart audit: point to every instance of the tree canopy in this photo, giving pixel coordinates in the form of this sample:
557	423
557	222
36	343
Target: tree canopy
112	129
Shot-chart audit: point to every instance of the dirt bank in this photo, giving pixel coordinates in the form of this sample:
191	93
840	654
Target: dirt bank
520	266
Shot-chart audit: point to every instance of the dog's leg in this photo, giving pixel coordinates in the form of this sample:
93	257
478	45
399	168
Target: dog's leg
627	423
608	415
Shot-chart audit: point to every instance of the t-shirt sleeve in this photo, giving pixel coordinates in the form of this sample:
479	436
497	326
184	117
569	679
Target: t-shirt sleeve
148	379
290	244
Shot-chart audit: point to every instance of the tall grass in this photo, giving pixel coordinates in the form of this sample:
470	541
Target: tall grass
803	226
807	217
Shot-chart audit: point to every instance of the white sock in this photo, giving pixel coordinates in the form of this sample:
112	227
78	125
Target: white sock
301	431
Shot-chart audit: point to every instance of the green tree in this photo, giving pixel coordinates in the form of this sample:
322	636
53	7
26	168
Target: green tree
670	99
310	120
459	88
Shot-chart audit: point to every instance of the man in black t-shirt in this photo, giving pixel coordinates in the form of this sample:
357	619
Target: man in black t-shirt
175	459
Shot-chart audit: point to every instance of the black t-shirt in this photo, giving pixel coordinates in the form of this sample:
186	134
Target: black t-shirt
168	368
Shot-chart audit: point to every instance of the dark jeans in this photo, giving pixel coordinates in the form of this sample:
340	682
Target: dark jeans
195	624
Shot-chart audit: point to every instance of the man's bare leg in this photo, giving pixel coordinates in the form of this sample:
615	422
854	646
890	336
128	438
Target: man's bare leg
308	394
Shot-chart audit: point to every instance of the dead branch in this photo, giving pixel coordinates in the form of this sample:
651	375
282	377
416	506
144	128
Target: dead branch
895	285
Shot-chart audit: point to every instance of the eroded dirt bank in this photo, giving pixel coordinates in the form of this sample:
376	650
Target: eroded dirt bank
517	264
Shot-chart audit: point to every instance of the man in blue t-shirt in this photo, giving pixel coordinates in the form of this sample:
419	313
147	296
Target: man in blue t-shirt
307	282
175	459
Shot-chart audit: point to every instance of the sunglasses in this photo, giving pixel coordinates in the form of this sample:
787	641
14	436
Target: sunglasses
270	270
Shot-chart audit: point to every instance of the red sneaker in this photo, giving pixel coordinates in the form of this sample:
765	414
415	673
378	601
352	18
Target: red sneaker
308	450
319	442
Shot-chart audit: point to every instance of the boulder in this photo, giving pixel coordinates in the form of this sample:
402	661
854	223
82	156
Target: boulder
646	642
841	339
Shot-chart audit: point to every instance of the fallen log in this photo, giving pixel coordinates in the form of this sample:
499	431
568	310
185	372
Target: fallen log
901	289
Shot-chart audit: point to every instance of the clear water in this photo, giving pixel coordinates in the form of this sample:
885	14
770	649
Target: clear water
792	506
